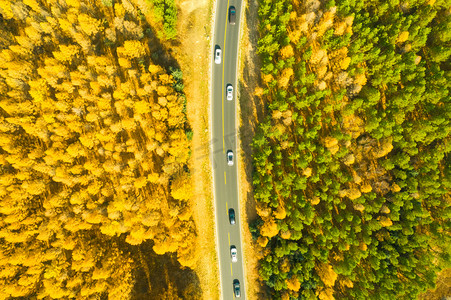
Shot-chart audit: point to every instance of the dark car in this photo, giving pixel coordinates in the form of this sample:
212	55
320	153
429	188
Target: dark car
232	216
236	288
232	15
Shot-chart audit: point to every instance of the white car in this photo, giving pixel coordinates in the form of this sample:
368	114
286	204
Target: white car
229	90
230	157
233	254
218	56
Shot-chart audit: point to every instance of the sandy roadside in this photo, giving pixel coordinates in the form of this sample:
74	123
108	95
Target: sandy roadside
195	29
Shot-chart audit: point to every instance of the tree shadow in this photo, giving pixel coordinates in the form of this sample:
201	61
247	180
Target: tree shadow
161	55
168	279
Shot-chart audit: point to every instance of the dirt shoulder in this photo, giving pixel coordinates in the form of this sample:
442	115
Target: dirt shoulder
194	29
251	112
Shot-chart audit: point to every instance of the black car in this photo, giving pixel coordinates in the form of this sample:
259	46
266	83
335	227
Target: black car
232	216
232	15
236	288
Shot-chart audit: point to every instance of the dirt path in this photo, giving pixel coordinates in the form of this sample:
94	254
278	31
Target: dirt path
192	54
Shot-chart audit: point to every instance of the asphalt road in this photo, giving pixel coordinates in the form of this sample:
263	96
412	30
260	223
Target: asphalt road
224	135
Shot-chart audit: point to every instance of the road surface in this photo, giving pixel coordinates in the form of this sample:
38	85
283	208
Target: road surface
224	135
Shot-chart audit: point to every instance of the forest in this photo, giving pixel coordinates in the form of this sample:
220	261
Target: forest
94	145
352	163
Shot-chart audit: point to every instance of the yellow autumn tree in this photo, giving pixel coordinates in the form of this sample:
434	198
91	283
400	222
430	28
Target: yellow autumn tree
269	228
132	49
181	187
89	25
326	273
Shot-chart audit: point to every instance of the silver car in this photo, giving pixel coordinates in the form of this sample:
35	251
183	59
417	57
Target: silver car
229	90
230	157
232	216
218	56
233	253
